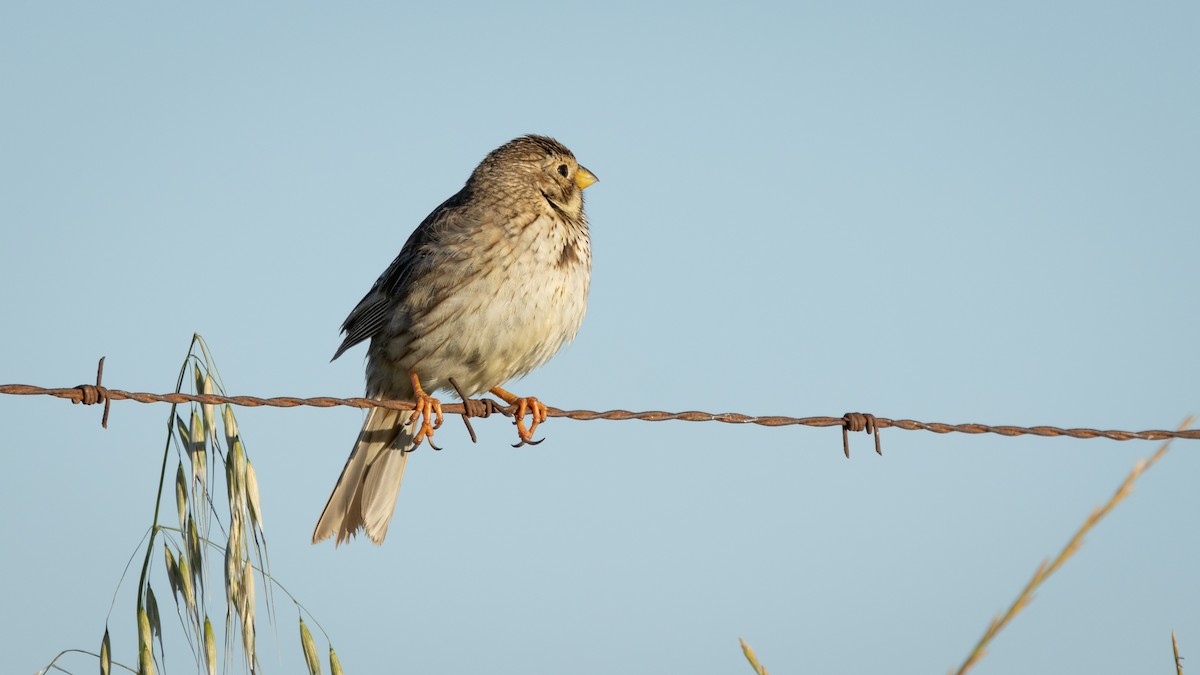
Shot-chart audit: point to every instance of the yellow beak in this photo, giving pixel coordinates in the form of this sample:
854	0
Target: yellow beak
584	178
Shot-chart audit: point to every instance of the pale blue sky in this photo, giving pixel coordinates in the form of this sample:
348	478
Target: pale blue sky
942	211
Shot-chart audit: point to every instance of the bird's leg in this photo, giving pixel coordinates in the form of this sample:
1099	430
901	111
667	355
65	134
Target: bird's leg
427	407
534	407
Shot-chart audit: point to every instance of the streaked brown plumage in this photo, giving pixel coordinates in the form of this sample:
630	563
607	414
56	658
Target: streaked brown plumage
487	288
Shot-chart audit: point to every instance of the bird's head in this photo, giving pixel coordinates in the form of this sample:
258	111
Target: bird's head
537	167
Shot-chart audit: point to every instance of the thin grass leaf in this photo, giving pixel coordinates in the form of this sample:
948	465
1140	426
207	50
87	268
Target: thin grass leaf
310	650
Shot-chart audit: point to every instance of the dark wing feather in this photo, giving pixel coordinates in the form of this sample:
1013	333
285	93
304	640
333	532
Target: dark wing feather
375	309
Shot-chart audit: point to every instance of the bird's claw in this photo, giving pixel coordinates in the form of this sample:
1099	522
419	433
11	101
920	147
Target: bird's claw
429	409
537	412
525	404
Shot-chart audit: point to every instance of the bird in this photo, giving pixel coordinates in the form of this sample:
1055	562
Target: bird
487	288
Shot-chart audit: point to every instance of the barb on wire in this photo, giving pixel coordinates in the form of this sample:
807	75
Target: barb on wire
474	408
91	394
859	422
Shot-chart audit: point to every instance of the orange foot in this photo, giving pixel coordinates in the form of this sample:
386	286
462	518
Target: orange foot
525	404
427	408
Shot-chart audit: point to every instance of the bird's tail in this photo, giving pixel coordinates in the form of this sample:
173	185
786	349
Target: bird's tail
365	494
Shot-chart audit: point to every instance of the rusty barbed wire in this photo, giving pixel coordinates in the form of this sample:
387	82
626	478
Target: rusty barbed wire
89	394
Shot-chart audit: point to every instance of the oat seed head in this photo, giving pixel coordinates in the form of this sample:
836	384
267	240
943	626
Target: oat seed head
181	496
310	650
232	572
204	385
335	666
210	648
246	606
199	454
252	495
146	660
152	612
231	428
105	654
194	554
172	571
185	583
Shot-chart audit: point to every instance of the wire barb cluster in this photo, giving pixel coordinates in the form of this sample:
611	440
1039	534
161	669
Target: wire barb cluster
859	422
93	394
88	394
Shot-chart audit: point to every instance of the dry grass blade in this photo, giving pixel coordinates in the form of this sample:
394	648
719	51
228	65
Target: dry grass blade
750	656
1174	648
1049	567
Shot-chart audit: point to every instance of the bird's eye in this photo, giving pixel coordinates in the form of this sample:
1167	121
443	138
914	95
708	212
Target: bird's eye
562	170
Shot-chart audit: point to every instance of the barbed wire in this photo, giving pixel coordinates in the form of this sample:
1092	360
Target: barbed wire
89	394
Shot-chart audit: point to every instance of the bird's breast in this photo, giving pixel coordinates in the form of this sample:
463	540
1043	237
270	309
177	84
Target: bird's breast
496	311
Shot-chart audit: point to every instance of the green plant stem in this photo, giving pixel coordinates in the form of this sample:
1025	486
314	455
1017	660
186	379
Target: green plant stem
162	476
81	651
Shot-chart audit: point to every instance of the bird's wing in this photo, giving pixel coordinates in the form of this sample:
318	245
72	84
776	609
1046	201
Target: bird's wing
374	310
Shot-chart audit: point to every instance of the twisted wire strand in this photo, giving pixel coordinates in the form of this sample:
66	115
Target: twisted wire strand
90	394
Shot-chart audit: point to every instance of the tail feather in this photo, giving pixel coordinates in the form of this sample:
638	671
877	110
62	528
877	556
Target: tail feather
380	489
365	494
